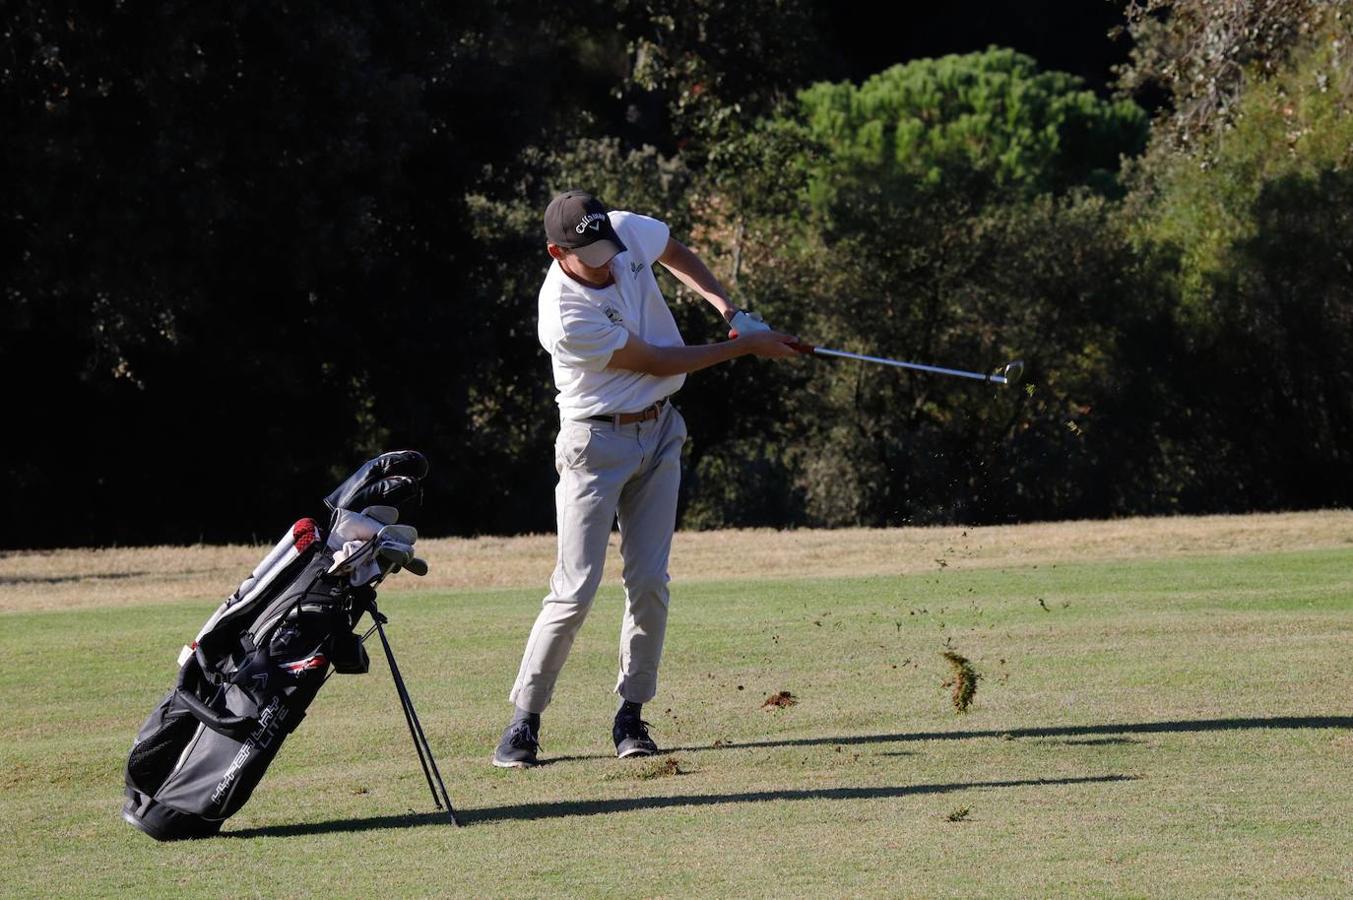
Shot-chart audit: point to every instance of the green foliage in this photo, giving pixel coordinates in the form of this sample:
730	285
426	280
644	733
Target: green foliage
258	237
1297	122
640	179
700	69
243	249
1157	332
1248	193
1282	332
991	116
1051	280
931	246
1204	54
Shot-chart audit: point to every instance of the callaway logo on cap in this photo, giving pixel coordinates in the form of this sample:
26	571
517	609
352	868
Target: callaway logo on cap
590	221
577	221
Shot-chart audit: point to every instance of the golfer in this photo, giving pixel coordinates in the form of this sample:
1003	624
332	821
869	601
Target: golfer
618	358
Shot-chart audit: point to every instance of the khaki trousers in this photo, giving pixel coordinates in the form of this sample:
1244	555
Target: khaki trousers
628	473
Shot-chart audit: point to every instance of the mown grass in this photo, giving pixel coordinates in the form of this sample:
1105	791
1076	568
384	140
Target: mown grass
1164	727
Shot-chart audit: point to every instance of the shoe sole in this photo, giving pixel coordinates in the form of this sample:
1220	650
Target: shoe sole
513	764
637	751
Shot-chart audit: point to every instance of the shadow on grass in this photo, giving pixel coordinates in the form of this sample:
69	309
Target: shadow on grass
530	811
1112	735
1178	727
65	579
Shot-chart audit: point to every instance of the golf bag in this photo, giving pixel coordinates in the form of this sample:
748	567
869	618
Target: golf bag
246	681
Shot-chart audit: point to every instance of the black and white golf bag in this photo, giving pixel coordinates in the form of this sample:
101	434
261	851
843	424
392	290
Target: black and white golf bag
245	682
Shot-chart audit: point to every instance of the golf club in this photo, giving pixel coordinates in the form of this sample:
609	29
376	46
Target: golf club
1007	374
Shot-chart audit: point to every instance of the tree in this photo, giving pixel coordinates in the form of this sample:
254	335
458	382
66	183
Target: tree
239	253
922	243
991	118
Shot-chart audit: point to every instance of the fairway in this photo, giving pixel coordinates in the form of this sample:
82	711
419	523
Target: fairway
1170	723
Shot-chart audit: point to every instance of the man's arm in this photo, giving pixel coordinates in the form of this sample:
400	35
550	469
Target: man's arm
640	356
682	262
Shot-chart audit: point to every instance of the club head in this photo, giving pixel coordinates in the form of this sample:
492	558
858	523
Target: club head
386	515
391	555
417	566
404	533
1012	372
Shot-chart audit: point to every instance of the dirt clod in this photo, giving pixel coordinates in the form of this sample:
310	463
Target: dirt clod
780	700
663	768
660	767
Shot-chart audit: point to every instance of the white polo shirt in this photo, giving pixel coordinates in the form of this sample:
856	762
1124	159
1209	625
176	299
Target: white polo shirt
582	326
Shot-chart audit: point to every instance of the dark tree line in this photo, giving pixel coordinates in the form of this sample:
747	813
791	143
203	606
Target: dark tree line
244	247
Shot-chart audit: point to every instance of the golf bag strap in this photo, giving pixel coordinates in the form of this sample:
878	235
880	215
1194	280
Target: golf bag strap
234	727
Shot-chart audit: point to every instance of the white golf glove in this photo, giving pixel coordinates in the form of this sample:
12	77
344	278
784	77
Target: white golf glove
744	322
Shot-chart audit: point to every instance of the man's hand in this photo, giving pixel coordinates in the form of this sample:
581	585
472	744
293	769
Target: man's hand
743	322
768	344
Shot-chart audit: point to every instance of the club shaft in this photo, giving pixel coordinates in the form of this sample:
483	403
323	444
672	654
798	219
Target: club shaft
920	367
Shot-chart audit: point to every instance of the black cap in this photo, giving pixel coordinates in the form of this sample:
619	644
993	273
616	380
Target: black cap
577	221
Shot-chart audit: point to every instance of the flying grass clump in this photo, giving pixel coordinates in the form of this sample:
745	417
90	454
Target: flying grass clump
962	683
780	700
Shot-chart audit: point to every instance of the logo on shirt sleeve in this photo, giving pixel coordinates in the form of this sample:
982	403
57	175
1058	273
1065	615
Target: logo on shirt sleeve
613	314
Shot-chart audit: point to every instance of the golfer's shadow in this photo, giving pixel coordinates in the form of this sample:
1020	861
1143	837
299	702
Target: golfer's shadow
530	811
1076	731
632	804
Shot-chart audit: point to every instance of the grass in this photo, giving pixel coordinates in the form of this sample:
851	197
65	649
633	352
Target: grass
1169	725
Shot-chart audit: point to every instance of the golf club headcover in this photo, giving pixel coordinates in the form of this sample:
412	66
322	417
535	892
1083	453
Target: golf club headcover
367	551
391	479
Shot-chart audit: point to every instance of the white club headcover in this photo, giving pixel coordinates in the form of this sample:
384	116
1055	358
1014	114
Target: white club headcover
352	526
368	549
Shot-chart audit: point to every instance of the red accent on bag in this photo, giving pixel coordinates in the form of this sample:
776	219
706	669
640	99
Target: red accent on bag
311	662
304	533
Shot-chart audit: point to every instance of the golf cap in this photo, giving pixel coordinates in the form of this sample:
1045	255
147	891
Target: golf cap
577	222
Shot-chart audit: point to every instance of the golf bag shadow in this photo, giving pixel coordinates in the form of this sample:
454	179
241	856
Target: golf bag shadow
246	681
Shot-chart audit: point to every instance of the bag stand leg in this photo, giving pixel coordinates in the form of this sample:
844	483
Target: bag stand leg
420	741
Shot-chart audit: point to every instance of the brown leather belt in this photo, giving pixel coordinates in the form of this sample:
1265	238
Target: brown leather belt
643	415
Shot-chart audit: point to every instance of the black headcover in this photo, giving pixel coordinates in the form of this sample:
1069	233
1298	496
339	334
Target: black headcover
391	479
